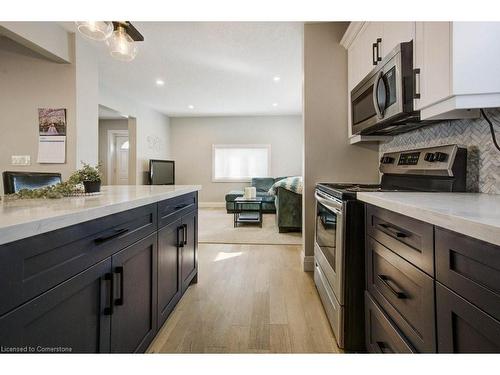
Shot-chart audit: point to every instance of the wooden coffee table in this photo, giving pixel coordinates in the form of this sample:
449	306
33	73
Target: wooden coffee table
245	214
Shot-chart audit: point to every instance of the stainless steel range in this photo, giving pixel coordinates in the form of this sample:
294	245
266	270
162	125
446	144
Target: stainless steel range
339	233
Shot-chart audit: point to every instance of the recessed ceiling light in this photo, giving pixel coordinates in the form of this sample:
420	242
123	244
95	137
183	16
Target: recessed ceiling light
275	104
276	78
191	106
160	82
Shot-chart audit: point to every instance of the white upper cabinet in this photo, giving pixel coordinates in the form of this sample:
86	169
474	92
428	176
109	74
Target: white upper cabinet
368	43
432	58
394	33
459	68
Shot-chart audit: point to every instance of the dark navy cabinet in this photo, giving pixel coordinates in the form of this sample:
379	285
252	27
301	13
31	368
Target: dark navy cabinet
170	239
429	289
101	286
71	317
189	268
133	319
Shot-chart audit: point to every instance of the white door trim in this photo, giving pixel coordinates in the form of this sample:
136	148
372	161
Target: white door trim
111	138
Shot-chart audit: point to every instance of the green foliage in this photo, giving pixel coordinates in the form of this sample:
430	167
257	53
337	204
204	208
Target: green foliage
87	173
61	190
64	189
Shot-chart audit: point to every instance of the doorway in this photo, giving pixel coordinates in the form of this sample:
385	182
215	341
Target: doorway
118	157
116	147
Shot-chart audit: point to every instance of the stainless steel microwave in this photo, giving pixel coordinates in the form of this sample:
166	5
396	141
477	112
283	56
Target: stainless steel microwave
382	103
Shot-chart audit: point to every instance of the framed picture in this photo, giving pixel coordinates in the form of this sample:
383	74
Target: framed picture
52	121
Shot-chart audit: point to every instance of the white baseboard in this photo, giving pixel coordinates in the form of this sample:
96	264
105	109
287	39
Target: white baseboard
212	204
307	262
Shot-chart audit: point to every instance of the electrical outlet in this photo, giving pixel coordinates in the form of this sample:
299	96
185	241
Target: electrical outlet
21	160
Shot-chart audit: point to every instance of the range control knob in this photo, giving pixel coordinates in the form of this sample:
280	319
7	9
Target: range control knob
440	156
429	156
386	160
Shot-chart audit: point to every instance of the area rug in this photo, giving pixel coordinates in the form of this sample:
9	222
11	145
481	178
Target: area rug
216	226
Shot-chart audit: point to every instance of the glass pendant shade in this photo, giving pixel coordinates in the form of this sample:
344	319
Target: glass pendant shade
121	45
95	30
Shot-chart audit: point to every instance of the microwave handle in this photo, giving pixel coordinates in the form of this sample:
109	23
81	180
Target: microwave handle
376	82
379	42
416	83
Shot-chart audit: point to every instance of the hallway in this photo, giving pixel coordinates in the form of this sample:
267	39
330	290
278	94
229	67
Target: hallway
249	299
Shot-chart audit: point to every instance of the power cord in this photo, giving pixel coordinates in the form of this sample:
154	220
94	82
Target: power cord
491	129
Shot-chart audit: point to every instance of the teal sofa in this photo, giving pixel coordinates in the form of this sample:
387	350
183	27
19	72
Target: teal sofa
286	204
288	211
262	185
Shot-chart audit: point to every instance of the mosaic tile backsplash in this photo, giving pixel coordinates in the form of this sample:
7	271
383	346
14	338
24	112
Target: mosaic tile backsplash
483	159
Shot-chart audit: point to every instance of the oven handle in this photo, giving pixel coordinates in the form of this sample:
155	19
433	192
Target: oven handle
329	203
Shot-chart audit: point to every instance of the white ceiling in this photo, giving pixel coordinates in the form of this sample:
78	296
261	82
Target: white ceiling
220	68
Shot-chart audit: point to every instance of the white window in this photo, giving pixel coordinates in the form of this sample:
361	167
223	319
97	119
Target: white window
239	163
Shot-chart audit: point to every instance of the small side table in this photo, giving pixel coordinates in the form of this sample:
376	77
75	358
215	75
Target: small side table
245	214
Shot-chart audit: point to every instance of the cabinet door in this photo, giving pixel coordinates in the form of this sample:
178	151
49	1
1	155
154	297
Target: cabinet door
394	33
462	327
361	54
189	263
72	317
432	55
134	313
169	276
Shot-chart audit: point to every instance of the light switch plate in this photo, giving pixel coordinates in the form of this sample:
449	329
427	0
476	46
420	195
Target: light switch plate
21	160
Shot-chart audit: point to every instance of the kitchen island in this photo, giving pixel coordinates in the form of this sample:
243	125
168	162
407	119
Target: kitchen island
95	273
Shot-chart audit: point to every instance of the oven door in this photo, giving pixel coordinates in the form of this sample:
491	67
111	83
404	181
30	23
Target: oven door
329	241
379	97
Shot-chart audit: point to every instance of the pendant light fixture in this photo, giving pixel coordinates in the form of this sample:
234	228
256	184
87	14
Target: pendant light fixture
95	30
120	36
121	45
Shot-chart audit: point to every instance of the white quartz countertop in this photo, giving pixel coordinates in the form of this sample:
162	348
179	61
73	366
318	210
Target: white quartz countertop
472	214
29	217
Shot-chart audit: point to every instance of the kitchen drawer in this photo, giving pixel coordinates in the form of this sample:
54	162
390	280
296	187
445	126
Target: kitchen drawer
470	268
462	327
334	311
171	209
381	335
32	266
404	292
410	238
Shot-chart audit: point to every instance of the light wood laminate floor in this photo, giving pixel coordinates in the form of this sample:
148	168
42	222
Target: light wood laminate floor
249	299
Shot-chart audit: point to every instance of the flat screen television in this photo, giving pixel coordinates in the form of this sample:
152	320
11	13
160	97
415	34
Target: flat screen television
161	172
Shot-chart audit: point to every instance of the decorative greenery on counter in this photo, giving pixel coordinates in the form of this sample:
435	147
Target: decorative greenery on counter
69	188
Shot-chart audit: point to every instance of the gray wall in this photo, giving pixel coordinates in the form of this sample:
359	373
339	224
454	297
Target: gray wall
29	82
483	159
328	156
192	139
104	126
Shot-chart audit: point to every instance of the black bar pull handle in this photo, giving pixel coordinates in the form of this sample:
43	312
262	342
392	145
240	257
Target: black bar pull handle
393	231
180	238
379	47
120	301
374	53
416	83
386	281
108	310
185	232
181	206
116	233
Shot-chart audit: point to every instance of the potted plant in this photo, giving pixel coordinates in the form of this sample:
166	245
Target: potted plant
89	176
